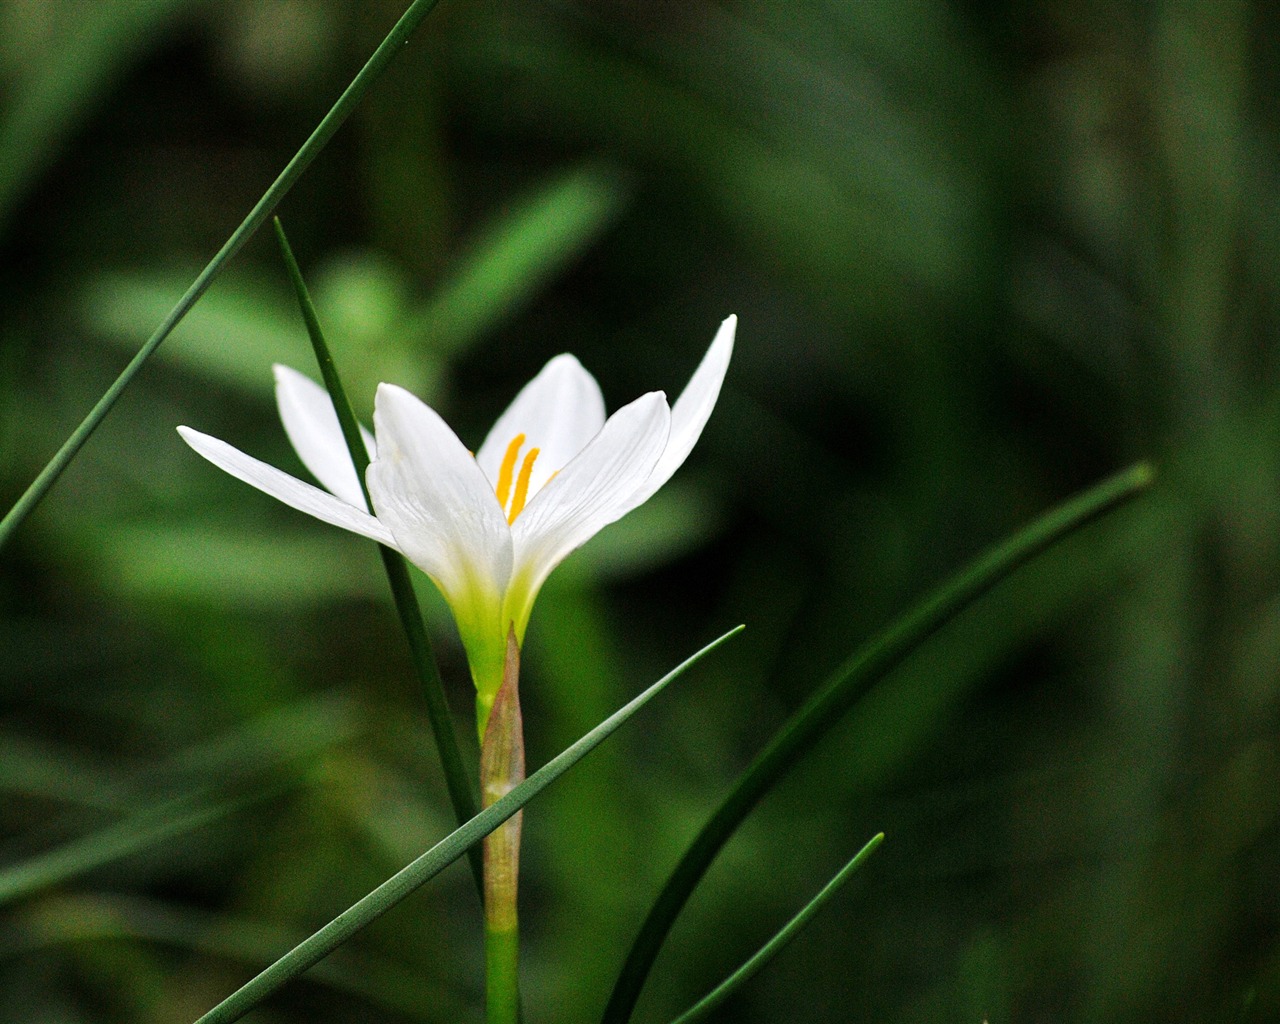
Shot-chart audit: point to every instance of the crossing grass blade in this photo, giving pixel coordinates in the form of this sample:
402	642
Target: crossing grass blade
409	879
867	666
324	131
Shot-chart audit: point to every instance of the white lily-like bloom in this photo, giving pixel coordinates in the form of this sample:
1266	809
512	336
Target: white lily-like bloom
487	528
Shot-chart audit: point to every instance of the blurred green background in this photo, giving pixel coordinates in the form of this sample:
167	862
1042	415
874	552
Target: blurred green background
983	254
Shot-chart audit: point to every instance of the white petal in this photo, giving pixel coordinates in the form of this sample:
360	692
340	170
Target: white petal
292	491
597	487
693	408
432	495
559	411
312	425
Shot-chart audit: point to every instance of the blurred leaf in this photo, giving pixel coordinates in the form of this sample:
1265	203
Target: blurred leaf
243	755
56	87
162	560
517	254
63	920
232	337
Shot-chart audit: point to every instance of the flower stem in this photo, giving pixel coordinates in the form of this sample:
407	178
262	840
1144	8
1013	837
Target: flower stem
501	769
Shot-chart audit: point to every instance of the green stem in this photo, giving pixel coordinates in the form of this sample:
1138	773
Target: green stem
329	124
501	770
502	985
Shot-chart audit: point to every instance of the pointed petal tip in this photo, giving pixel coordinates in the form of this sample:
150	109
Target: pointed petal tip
281	372
725	333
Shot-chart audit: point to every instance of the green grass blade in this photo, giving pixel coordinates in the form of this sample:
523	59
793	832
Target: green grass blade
435	860
871	663
776	944
424	662
329	124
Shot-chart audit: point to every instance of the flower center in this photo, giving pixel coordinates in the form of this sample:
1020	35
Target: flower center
507	472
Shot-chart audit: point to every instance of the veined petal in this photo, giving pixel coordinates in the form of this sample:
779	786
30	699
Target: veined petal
693	408
595	488
312	425
558	412
431	494
283	487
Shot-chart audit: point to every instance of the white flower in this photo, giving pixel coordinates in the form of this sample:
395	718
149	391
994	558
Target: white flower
487	528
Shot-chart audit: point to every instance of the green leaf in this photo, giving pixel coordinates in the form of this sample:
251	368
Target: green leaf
517	254
131	835
324	131
776	944
435	860
875	660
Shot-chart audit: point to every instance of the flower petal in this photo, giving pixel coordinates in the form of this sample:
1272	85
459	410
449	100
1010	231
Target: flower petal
596	488
431	494
558	412
693	408
312	425
283	487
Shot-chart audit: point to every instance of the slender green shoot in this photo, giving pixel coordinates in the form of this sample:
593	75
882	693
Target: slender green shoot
325	130
871	663
776	944
313	949
406	600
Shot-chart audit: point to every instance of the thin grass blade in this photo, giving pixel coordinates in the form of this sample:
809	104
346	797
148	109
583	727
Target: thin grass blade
871	663
456	778
435	860
329	124
776	944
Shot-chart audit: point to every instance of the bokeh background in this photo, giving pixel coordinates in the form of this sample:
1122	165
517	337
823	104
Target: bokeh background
983	253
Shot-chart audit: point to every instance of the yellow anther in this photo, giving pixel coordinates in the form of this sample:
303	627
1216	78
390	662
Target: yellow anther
522	484
507	469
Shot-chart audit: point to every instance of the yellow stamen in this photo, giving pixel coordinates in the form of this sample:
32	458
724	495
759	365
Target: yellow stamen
522	484
507	468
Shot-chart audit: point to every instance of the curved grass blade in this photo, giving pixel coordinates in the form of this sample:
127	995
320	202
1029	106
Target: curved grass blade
318	139
435	860
424	662
872	662
776	944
